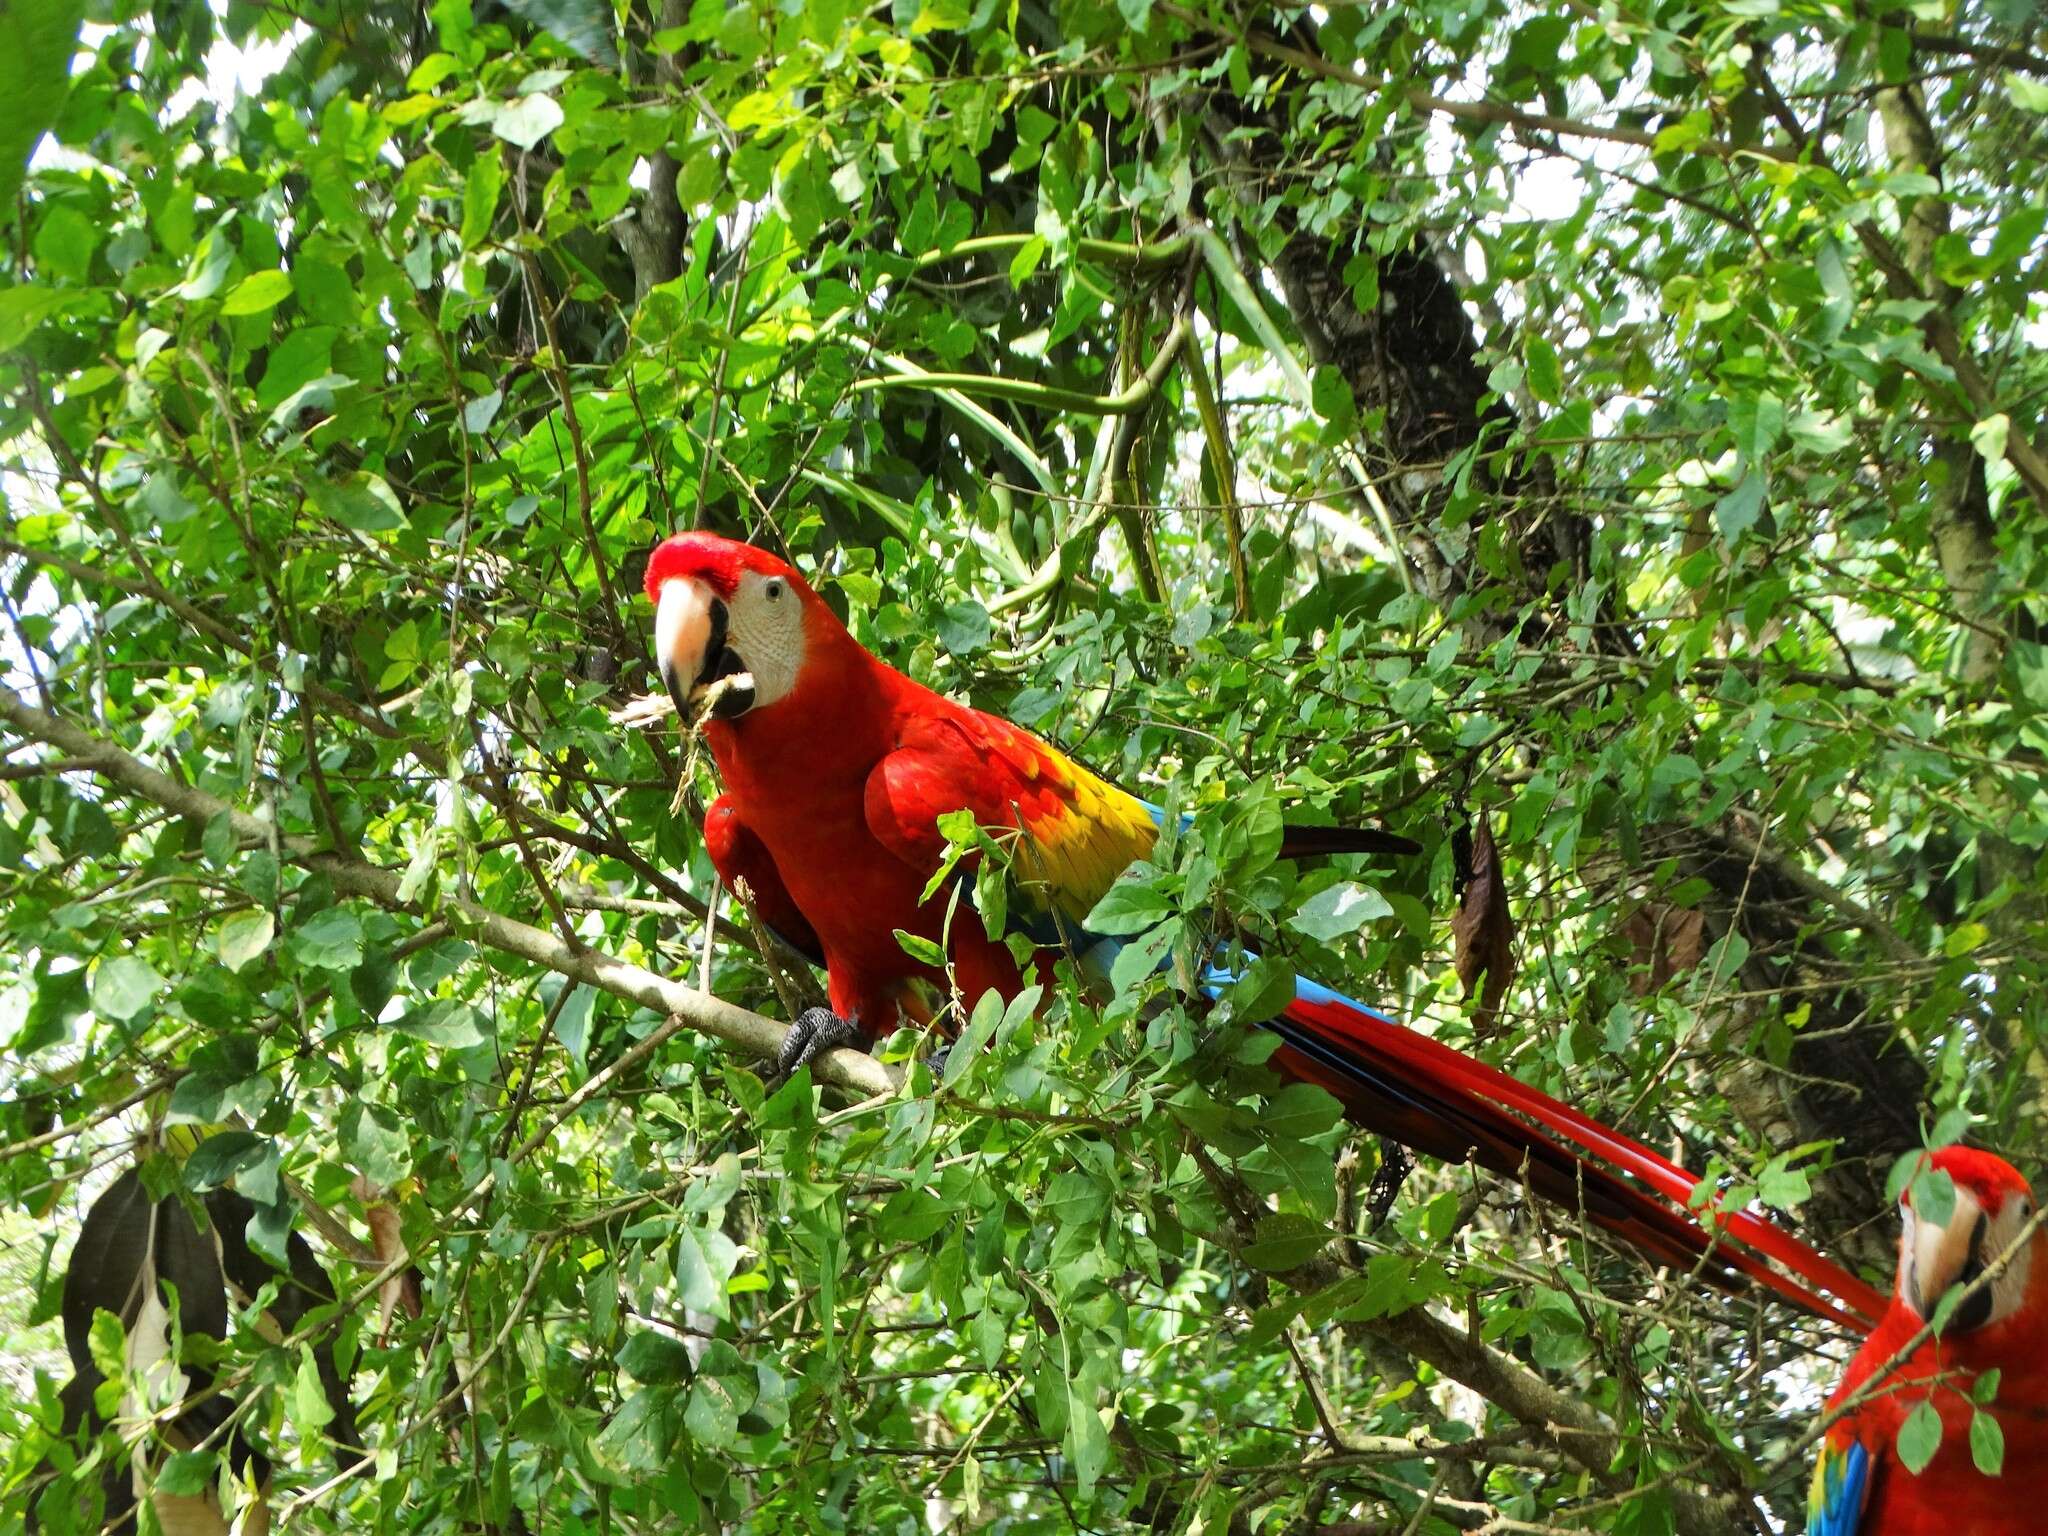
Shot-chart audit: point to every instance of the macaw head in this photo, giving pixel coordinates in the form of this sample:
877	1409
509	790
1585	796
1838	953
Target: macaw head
1992	1205
723	609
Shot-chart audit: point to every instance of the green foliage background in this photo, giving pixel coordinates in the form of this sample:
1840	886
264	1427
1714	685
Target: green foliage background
1619	421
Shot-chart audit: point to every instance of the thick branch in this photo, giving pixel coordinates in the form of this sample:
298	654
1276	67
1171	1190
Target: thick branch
700	1011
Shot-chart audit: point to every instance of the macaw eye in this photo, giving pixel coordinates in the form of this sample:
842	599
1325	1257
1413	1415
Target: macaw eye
774	588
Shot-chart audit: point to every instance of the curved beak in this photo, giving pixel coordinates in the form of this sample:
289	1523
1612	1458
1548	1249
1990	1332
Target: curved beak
1938	1257
691	652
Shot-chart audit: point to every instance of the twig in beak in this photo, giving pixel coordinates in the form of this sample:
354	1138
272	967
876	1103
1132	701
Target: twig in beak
648	710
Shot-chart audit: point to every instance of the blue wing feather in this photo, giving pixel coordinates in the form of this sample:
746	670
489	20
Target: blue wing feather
1841	1488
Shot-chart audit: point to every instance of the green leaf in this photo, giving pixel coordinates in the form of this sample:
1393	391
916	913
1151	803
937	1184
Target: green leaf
2027	93
478	414
1987	1443
705	1260
920	948
107	1341
375	1143
1026	261
1285	1241
1544	376
65	242
243	936
981	1026
257	293
1339	909
992	897
221	1156
1741	509
1919	1437
1266	987
1676	771
1758	422
1075	1198
1139	959
310	1408
527	121
1087	1441
185	1474
303	356
1988	437
221	1076
1331	398
1934	1196
963	628
1647	1513
1781	1186
451	1025
37	38
1951	1127
1129	906
123	986
1299	1111
363	502
712	1417
480	191
309	404
655	1358
22	308
331	940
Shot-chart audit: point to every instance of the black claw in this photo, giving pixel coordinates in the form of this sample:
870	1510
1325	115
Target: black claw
816	1031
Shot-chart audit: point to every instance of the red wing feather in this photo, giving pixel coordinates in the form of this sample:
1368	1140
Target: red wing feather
737	854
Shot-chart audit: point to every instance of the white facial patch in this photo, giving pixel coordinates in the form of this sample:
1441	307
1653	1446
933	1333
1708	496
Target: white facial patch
2009	1290
765	625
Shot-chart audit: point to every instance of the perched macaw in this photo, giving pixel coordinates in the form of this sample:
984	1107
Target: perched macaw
1860	1487
836	769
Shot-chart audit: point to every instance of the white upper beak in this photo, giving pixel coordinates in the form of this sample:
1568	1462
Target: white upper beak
682	634
1935	1257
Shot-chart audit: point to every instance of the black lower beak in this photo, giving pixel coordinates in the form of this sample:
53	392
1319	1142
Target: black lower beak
678	694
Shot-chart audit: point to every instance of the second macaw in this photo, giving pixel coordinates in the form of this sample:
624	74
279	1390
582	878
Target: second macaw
837	768
1861	1484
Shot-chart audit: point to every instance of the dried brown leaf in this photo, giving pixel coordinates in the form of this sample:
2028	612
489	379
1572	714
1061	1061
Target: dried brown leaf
1664	943
1482	932
402	1290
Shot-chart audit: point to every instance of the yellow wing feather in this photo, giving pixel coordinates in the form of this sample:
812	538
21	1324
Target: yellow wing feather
1090	833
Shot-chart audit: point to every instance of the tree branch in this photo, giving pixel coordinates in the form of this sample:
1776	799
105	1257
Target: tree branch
758	1036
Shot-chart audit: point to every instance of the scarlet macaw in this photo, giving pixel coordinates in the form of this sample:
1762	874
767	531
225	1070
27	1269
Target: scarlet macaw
1860	1487
836	768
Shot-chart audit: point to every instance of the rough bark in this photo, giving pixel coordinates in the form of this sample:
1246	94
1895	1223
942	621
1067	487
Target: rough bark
1416	360
1965	543
653	237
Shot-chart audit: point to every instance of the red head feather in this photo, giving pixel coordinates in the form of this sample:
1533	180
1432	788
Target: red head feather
716	561
1991	1179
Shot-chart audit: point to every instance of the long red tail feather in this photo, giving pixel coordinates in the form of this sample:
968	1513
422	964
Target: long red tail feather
1445	1104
